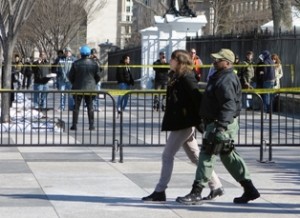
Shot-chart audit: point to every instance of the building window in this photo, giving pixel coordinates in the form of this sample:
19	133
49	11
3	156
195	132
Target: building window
128	9
128	18
128	30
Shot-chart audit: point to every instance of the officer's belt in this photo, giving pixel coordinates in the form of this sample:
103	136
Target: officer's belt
207	121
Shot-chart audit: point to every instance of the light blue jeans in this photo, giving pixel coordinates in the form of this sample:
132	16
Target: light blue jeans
96	101
62	86
40	98
122	99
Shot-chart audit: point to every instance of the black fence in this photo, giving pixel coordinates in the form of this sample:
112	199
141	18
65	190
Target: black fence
50	126
114	58
285	45
140	123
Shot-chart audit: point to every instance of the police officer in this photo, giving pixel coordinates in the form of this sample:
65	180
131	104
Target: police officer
84	75
221	105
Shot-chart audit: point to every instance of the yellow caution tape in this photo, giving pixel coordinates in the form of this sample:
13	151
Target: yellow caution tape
273	91
116	92
153	66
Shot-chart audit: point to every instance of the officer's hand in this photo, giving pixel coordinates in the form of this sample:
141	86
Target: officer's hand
217	136
220	135
200	127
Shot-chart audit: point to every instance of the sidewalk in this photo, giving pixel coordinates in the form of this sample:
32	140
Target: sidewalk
72	182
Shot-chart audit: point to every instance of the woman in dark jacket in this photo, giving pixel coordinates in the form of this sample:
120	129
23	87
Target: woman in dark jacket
180	118
125	80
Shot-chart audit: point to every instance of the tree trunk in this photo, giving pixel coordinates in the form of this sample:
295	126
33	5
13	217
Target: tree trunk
276	14
6	83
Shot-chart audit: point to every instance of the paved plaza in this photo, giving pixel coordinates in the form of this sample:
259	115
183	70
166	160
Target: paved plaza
71	182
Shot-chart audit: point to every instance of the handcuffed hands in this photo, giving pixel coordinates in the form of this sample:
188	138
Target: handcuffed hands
200	127
220	135
217	136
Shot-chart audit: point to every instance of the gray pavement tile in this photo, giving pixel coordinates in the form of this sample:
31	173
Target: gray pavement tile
58	182
9	149
55	149
62	157
18	197
178	180
28	212
18	180
4	155
13	166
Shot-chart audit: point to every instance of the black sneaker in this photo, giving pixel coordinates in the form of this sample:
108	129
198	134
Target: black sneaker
155	196
214	193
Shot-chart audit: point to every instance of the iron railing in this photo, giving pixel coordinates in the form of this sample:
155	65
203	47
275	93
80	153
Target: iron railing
139	124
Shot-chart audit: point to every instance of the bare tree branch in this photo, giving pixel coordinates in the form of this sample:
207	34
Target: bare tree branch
13	15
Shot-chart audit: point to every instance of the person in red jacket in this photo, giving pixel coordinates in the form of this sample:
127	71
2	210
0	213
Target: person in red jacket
197	63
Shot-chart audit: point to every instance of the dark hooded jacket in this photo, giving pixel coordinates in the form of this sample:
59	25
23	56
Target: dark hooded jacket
40	72
268	71
182	103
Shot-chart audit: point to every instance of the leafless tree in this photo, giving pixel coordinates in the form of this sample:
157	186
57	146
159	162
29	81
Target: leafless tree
221	16
13	14
281	13
55	23
144	17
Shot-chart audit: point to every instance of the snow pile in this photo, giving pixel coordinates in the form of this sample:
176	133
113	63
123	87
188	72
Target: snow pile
25	119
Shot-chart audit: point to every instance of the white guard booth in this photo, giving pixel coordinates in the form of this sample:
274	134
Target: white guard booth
168	34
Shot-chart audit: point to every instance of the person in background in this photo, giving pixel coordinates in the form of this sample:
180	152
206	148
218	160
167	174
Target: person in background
17	71
197	63
246	75
27	72
94	57
125	81
220	108
84	75
160	80
54	68
236	63
41	79
180	118
258	74
278	70
63	65
267	73
211	71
